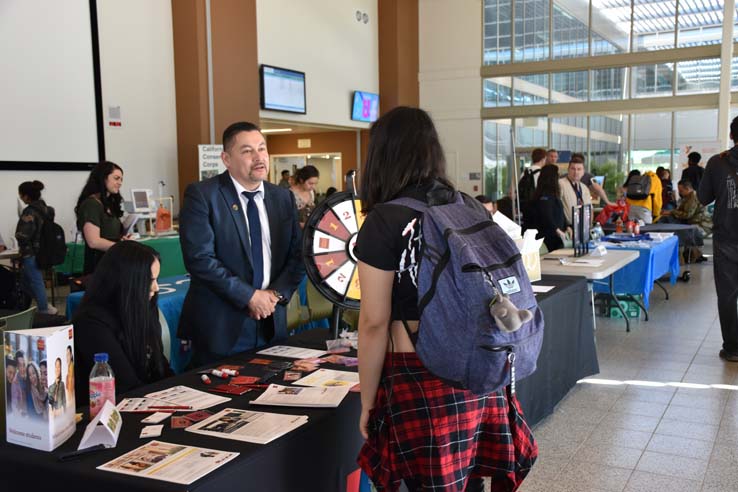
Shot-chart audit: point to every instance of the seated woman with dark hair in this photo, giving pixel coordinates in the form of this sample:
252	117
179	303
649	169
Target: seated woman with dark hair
545	211
119	315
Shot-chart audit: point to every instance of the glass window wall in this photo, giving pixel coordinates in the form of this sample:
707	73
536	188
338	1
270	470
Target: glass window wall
570	28
700	22
698	76
497	92
653	80
530	89
608	84
569	87
531	30
651	137
653	24
610	26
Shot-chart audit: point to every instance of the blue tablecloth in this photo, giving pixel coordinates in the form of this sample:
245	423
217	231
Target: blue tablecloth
637	277
172	291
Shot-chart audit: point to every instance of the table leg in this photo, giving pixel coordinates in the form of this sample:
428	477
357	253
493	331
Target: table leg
617	302
661	286
590	286
640	304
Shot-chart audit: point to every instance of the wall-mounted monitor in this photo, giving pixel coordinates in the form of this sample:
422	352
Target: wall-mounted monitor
365	106
282	89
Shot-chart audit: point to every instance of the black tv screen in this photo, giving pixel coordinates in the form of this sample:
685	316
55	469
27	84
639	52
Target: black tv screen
282	89
365	106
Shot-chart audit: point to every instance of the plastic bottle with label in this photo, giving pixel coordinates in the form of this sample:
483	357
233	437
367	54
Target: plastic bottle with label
102	384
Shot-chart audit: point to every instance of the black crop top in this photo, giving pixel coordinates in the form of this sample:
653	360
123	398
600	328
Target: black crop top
390	240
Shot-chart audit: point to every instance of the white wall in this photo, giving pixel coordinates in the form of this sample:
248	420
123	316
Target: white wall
137	67
450	84
347	60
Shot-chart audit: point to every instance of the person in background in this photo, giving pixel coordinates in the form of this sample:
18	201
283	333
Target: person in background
693	172
285	181
720	184
587	180
545	212
99	211
689	211
487	203
409	416
38	393
572	191
244	269
57	391
69	382
624	188
647	209
668	199
119	315
331	190
11	371
303	187
28	234
552	157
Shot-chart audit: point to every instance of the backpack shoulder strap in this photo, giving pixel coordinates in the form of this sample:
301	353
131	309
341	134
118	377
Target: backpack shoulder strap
408	202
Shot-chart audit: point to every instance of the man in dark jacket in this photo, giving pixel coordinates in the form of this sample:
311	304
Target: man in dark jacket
693	173
720	184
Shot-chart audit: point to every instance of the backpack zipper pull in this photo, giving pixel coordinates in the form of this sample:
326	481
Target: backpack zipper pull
511	361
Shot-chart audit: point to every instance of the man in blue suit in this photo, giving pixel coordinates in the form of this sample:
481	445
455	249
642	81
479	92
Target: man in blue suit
241	244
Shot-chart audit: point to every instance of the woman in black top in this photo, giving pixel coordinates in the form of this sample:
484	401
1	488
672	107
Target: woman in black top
545	211
413	434
119	315
99	211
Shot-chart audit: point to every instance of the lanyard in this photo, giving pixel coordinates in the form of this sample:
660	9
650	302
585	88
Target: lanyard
578	192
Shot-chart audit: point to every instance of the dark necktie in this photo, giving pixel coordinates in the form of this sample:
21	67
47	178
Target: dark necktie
257	253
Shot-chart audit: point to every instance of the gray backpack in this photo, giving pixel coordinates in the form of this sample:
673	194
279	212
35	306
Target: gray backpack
467	262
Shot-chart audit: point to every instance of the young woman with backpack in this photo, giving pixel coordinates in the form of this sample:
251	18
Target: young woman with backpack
28	234
418	428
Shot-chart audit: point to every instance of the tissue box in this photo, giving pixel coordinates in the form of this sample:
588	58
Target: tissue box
532	263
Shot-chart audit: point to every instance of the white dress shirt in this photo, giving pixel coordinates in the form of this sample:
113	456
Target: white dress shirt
266	239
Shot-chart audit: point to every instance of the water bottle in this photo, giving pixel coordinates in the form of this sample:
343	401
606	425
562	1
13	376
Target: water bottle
597	233
102	384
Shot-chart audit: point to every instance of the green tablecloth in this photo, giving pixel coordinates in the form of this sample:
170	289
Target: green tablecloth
168	247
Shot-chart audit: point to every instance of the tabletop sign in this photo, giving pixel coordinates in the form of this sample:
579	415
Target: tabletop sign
104	428
209	162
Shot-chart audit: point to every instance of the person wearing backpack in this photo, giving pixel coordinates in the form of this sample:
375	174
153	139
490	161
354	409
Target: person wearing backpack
644	195
529	180
29	234
420	428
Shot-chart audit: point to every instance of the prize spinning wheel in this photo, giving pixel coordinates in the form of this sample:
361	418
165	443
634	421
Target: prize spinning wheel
328	244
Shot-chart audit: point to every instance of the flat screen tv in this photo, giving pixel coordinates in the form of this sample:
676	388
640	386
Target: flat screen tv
282	89
365	106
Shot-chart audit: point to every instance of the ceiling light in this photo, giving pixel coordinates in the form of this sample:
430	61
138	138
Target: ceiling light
276	130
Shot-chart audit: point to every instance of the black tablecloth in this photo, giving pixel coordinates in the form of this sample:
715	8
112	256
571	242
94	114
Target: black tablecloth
568	353
687	233
319	455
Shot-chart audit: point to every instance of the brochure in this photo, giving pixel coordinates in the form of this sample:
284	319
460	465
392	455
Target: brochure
183	396
292	352
143	405
169	462
248	426
39	386
103	429
293	396
329	377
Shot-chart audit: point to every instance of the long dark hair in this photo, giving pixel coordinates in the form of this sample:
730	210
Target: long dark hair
31	189
305	173
548	182
122	283
96	184
404	150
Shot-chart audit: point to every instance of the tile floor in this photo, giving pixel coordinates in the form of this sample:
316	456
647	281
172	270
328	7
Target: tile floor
644	436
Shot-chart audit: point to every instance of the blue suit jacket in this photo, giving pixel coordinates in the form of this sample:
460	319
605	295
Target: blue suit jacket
217	253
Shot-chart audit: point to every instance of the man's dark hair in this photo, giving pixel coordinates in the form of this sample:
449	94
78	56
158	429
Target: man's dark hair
633	172
42	364
285	172
577	157
734	129
538	155
331	190
230	133
686	183
552	150
483	199
31	189
404	150
20	354
9	361
694	158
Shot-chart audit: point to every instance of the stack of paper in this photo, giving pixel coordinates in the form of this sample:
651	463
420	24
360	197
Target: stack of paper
292	352
188	398
330	378
292	396
248	426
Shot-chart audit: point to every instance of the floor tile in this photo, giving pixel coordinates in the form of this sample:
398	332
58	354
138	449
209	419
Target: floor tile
671	465
649	482
706	432
607	454
588	476
619	437
687	414
681	446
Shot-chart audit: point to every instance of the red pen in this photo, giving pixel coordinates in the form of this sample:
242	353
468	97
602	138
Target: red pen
205	379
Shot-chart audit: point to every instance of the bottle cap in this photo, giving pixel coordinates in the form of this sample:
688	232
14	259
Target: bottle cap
101	357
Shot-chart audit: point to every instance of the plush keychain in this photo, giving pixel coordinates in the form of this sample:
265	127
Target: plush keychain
507	316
